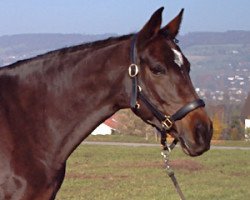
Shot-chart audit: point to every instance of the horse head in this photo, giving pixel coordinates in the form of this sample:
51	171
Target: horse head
162	78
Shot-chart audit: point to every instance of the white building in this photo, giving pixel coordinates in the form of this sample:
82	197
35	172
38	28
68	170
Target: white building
102	129
247	128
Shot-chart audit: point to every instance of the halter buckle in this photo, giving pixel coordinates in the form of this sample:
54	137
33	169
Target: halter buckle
167	123
133	70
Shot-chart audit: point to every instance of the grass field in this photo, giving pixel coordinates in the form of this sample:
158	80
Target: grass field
151	139
136	173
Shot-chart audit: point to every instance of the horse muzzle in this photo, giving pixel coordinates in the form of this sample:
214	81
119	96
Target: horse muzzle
198	141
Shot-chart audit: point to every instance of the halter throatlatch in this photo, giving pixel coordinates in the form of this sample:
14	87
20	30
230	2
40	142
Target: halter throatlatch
167	121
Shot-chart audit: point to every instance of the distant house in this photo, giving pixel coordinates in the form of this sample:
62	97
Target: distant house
106	128
102	129
245	116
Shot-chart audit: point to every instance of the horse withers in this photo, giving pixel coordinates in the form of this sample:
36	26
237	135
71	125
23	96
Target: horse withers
50	103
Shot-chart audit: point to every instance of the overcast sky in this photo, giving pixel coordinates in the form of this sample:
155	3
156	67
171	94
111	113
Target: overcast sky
118	16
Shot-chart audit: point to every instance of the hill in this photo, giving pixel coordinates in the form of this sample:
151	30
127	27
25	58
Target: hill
220	61
220	64
215	38
17	47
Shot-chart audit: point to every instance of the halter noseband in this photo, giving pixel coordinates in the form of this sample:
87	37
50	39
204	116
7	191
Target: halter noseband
167	121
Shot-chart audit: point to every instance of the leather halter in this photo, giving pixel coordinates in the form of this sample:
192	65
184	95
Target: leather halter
167	121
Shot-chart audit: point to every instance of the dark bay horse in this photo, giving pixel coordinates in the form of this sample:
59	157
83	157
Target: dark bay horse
49	104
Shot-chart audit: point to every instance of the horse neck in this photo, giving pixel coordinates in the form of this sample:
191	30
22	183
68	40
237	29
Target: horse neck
100	89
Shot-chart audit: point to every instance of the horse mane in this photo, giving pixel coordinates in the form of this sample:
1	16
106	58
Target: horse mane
93	45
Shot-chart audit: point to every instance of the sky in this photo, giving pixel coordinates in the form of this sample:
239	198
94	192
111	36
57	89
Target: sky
119	16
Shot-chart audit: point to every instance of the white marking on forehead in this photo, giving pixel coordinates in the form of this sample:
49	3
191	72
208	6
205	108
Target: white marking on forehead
178	58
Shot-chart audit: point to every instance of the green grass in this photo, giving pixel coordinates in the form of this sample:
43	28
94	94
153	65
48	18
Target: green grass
121	138
113	172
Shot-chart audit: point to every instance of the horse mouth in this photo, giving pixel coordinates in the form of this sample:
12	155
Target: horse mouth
190	150
182	142
185	147
194	150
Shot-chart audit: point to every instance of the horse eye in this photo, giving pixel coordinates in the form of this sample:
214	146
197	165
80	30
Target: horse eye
158	70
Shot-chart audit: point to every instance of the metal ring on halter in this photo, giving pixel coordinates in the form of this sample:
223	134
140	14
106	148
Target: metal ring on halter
133	70
137	106
139	88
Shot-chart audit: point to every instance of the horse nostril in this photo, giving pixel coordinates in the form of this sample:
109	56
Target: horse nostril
203	133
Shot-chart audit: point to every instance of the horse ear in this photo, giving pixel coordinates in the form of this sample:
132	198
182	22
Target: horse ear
150	29
172	28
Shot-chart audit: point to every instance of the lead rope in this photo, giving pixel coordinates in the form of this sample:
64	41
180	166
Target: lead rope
170	172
